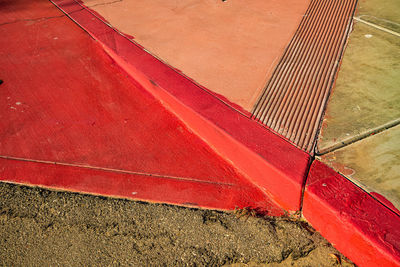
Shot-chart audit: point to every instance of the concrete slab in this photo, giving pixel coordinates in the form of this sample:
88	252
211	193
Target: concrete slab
230	47
372	163
383	13
366	95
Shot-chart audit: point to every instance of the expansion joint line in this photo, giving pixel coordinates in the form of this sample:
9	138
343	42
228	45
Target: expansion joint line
362	136
377	26
144	174
32	20
304	184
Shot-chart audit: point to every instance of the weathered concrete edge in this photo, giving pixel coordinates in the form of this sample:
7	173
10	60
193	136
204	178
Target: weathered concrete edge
357	224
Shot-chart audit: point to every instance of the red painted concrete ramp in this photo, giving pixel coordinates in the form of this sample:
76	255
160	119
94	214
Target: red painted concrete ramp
268	161
87	109
71	119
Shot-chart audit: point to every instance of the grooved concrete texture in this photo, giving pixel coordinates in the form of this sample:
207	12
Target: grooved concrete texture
294	99
229	47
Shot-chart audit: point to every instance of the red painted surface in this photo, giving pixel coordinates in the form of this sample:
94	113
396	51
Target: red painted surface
274	165
121	184
29	11
357	224
385	201
65	100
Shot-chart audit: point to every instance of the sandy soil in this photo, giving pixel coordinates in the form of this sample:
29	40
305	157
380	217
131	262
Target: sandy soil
41	227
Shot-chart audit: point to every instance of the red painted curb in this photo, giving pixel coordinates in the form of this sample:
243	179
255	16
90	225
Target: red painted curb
357	224
158	189
267	160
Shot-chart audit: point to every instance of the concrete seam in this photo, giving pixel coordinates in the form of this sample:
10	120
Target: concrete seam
362	136
377	26
114	170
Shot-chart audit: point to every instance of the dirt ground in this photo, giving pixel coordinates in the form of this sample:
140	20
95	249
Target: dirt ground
42	227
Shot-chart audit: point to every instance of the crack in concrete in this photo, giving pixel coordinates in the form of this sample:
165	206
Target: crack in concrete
381	19
359	19
154	175
33	19
103	4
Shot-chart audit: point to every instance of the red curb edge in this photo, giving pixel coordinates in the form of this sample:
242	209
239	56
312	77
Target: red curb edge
150	188
357	224
271	163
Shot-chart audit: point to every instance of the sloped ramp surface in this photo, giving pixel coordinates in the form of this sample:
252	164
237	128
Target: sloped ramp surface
70	119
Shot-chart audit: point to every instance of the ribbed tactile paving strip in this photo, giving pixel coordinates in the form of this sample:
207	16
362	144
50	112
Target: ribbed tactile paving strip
294	99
